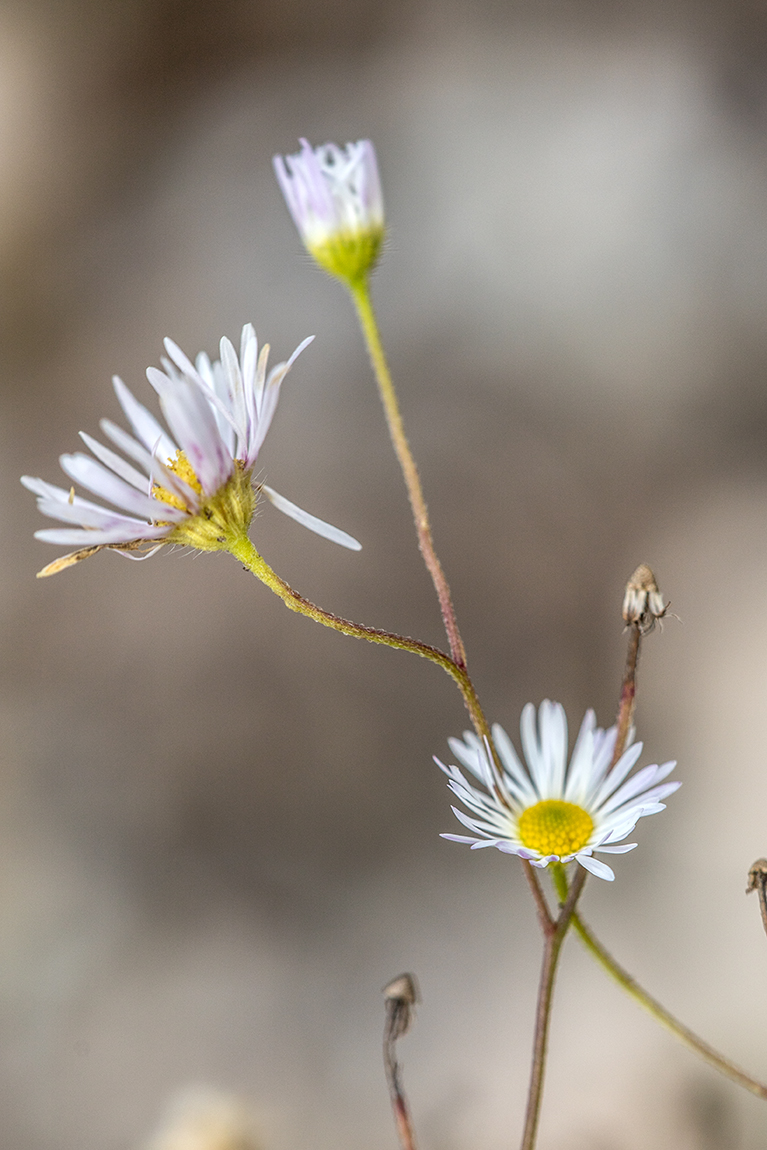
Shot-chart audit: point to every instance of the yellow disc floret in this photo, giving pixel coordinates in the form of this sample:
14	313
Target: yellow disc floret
554	827
221	518
181	467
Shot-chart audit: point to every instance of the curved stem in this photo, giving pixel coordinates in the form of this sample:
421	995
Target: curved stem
659	1012
243	549
360	293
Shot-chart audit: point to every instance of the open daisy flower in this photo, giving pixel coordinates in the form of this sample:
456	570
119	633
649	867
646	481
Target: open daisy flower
334	196
549	811
192	487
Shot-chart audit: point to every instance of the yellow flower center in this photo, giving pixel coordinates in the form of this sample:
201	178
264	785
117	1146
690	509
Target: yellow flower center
554	827
181	467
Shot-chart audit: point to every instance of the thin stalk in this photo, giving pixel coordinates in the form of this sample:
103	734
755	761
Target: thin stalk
243	549
554	936
401	996
628	692
545	921
660	1014
360	293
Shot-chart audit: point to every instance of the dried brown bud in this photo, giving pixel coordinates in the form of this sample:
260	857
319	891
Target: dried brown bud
757	876
401	995
643	602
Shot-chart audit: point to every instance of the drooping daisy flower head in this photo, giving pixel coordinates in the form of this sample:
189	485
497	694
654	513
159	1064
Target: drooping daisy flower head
191	484
334	196
546	809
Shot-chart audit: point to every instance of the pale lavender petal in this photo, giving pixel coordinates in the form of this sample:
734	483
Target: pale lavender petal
193	424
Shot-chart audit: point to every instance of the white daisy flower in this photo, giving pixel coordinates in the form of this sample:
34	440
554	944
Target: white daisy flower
334	196
548	811
193	486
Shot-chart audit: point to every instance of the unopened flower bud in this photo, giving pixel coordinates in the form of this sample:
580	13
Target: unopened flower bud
643	602
334	196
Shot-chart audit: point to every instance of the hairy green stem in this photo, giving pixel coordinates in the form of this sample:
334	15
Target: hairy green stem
360	293
242	548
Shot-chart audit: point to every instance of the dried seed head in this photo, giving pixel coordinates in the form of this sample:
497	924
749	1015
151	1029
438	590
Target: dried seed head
401	995
757	876
404	988
643	602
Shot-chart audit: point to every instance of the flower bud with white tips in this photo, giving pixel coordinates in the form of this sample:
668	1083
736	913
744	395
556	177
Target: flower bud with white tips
334	196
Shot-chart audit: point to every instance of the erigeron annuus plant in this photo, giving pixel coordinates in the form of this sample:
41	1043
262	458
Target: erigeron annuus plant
192	484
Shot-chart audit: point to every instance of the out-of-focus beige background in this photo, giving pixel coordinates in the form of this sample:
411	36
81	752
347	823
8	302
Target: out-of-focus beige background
218	823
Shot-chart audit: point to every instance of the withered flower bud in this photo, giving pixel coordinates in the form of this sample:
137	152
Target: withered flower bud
757	876
643	602
401	996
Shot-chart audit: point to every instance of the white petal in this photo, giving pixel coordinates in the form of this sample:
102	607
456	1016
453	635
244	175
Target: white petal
86	514
108	486
146	427
553	731
596	867
531	748
468	755
517	778
616	776
191	420
129	445
318	526
581	769
117	464
85	538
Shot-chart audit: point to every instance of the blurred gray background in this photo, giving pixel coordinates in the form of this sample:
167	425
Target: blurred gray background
219	823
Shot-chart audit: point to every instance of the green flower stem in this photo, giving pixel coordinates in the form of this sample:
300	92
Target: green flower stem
554	936
360	293
660	1014
242	549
